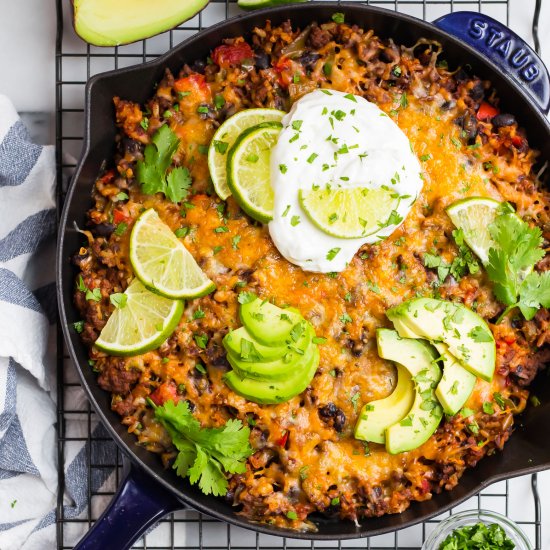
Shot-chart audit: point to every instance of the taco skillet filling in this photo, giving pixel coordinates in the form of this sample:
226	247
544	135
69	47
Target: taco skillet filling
306	458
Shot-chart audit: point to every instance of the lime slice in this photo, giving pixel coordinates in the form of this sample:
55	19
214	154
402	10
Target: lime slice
249	170
142	324
349	213
225	137
161	261
473	216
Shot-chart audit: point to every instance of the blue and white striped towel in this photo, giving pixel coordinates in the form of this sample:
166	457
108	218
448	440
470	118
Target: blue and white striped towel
28	469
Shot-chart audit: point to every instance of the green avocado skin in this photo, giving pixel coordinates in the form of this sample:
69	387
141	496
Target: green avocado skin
108	23
273	392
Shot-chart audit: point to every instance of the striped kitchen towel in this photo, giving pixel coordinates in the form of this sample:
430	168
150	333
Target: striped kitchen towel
28	450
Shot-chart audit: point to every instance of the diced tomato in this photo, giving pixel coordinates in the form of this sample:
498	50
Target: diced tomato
288	71
510	339
119	216
193	88
165	392
282	440
225	56
486	111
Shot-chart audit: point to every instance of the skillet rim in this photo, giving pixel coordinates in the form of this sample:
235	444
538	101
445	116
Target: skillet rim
129	449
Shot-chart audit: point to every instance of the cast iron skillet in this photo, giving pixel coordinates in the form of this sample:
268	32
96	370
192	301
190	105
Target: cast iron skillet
148	491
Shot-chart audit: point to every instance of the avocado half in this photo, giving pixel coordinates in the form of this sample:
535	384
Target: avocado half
108	23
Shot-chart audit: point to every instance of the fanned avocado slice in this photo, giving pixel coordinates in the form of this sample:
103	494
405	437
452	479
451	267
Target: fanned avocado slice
239	340
269	324
464	332
420	359
296	358
272	392
456	384
377	416
111	23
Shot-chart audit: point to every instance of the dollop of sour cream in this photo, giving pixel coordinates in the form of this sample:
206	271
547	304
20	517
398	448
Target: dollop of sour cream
337	139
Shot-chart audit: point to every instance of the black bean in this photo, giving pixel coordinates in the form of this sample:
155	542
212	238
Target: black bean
331	412
339	421
198	66
468	125
308	59
261	60
131	146
328	411
103	229
477	92
504	119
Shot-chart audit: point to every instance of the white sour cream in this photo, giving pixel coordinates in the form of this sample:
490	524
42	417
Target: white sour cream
327	136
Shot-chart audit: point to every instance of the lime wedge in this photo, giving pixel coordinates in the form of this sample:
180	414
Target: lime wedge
142	324
161	261
348	213
473	216
249	171
224	139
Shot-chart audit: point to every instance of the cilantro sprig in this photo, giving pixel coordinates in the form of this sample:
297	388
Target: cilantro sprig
153	171
519	248
205	455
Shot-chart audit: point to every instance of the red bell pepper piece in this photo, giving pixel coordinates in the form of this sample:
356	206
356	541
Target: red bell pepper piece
486	111
282	440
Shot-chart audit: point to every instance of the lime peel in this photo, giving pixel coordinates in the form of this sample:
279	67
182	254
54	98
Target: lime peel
225	138
161	261
143	324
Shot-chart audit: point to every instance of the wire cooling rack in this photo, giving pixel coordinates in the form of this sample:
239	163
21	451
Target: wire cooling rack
76	62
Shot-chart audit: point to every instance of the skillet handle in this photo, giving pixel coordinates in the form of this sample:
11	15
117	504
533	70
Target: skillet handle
138	504
504	48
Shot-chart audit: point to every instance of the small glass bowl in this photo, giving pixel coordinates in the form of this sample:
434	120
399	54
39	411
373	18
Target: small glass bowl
471	517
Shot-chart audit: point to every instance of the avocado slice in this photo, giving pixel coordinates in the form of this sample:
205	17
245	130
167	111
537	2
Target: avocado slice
375	417
269	324
108	23
456	384
465	333
419	358
272	392
295	358
233	343
404	330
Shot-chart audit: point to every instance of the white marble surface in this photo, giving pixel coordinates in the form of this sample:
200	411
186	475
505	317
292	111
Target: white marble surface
27	76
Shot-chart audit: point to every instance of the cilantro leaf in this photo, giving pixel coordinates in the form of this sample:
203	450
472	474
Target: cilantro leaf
534	293
519	248
177	184
205	455
151	172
